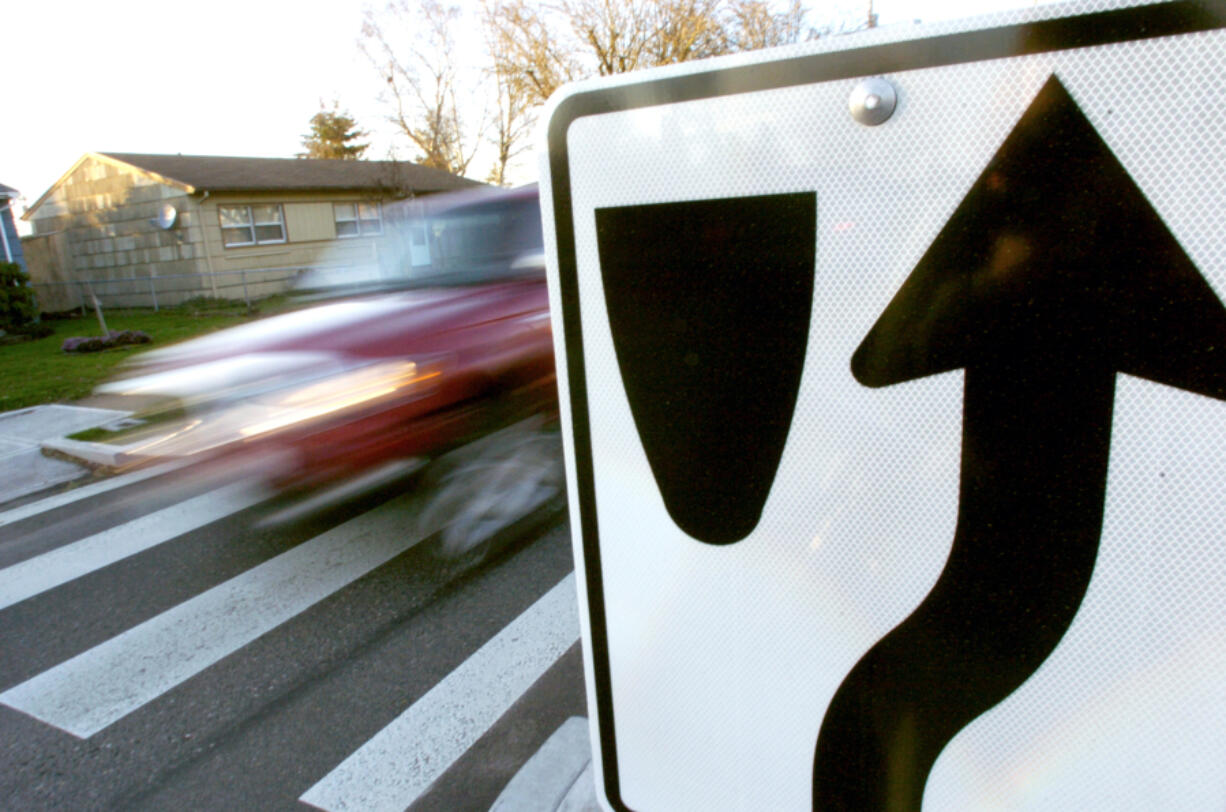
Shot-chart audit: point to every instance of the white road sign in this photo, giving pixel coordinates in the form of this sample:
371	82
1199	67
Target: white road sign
893	371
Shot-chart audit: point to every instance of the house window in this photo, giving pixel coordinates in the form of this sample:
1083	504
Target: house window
357	219
251	225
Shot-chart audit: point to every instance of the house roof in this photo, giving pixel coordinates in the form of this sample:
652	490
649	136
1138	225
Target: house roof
222	173
8	191
218	173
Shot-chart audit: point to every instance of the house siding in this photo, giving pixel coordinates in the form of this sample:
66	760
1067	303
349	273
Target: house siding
94	233
101	220
311	242
308	222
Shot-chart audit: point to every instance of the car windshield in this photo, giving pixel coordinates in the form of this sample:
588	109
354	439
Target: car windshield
467	238
472	243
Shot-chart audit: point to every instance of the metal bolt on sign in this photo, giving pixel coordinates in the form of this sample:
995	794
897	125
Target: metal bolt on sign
872	101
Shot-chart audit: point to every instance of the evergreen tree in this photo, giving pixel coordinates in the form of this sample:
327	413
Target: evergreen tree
332	135
17	303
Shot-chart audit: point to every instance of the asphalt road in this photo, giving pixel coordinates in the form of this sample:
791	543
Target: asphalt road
164	647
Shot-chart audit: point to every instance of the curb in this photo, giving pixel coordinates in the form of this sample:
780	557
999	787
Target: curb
558	777
95	455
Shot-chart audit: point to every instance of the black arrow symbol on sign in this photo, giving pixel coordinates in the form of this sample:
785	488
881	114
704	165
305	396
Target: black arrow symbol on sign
1053	274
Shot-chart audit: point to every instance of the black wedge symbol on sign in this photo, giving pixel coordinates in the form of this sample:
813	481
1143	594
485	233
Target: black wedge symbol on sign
1053	275
708	304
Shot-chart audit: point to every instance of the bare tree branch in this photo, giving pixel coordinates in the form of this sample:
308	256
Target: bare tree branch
534	47
515	92
615	32
755	25
527	49
684	30
421	88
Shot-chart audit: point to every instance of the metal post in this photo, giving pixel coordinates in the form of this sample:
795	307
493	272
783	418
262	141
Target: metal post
153	290
98	312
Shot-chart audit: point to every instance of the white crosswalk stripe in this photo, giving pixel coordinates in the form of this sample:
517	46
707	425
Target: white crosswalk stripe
98	687
63	564
68	497
391	770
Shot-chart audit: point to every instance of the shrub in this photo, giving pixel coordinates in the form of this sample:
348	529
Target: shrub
128	337
18	304
116	338
81	344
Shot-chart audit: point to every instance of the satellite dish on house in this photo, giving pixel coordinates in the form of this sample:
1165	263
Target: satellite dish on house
167	216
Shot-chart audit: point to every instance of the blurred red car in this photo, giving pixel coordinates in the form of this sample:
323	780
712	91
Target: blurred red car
456	345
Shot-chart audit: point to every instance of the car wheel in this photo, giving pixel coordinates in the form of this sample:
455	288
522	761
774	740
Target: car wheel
485	488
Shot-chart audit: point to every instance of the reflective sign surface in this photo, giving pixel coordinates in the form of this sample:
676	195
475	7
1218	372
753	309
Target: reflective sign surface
979	562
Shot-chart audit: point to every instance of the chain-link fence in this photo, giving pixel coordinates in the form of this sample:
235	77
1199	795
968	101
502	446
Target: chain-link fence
165	290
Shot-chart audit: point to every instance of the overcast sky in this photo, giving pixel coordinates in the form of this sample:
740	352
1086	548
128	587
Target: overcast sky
226	77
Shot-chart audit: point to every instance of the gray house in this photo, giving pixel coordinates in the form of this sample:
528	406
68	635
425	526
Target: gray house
10	244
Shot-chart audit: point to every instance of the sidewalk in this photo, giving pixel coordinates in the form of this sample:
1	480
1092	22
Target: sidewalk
24	468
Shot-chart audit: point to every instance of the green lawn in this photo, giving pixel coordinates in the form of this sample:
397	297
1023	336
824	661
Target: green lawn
35	372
